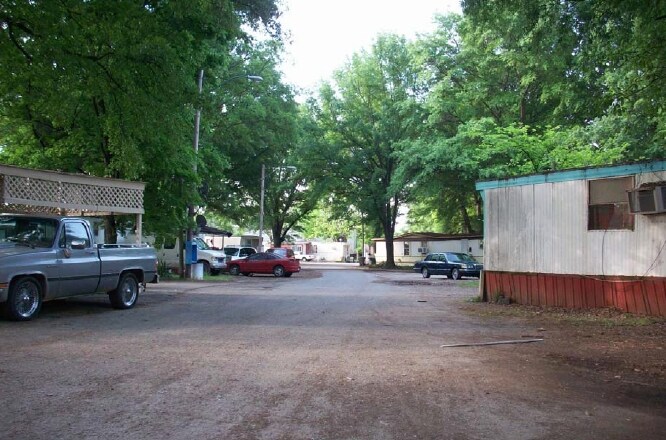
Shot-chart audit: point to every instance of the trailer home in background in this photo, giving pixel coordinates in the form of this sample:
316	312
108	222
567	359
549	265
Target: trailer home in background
414	246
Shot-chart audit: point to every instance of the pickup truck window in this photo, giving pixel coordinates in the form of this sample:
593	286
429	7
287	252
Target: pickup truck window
33	231
74	232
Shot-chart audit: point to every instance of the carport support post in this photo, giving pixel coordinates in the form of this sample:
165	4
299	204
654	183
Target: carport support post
139	228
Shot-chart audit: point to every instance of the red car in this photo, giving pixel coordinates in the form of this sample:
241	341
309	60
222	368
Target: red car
265	262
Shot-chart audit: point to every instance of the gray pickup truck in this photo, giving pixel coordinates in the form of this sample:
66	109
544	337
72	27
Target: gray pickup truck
48	257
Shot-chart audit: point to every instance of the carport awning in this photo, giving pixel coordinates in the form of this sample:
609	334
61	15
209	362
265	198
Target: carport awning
214	231
40	191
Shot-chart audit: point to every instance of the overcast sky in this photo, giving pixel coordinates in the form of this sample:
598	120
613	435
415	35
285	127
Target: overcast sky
325	33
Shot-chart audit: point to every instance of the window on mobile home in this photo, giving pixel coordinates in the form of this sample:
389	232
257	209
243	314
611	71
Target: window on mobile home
608	204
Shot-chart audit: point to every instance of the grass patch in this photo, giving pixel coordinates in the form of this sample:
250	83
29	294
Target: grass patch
221	278
469	283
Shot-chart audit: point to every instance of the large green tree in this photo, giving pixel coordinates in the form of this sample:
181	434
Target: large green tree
613	53
106	88
527	87
261	125
371	113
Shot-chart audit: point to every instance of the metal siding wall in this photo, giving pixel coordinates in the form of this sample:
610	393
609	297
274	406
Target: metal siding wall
543	228
509	239
491	230
545	238
569	222
646	296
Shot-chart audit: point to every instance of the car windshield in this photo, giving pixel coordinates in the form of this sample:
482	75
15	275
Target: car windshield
455	257
28	231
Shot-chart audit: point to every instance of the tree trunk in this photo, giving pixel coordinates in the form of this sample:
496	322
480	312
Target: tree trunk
467	222
390	257
389	233
276	232
110	230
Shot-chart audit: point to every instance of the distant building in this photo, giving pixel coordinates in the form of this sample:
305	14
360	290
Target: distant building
584	238
412	247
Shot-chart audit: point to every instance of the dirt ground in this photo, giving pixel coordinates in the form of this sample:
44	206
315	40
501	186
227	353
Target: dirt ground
329	355
621	349
608	344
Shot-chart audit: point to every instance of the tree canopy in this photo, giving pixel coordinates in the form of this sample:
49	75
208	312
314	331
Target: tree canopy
507	88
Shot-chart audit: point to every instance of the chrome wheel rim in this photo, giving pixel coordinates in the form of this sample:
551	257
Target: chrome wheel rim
27	300
128	292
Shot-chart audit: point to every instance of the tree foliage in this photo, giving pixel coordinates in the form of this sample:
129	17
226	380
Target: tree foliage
371	113
105	88
528	87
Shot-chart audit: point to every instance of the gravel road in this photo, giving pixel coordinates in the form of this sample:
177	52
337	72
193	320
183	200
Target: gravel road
326	354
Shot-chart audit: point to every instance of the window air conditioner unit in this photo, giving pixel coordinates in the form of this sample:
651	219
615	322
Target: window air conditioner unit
422	250
648	199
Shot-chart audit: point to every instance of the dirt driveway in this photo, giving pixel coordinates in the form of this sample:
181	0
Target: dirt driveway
328	354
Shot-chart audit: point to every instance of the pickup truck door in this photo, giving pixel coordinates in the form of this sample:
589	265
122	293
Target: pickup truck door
78	260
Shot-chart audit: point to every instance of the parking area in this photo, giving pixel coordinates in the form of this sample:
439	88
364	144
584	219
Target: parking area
326	354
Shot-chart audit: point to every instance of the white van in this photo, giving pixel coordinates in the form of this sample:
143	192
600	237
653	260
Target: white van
213	261
235	253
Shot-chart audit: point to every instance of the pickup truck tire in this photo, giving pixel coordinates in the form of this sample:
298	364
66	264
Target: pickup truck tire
127	292
278	271
425	272
234	269
24	300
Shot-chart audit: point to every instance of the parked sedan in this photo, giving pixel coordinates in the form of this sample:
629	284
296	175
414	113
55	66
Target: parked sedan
265	262
452	264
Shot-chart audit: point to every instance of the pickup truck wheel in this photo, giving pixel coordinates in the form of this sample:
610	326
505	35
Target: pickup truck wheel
455	274
278	271
126	294
425	272
234	269
206	267
24	300
304	259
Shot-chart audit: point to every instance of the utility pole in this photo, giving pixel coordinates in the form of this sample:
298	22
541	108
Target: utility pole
261	209
189	236
190	208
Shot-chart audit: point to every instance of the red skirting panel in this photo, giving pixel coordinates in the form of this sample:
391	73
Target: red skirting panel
642	296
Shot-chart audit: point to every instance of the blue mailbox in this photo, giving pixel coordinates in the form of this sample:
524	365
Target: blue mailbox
191	252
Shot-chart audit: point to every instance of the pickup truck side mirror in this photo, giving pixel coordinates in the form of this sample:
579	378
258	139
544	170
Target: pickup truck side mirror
78	244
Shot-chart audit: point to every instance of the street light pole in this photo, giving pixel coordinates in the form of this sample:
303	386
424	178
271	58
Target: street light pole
190	208
261	200
197	122
261	209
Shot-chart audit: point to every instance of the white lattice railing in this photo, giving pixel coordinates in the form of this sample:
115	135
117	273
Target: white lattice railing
26	190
